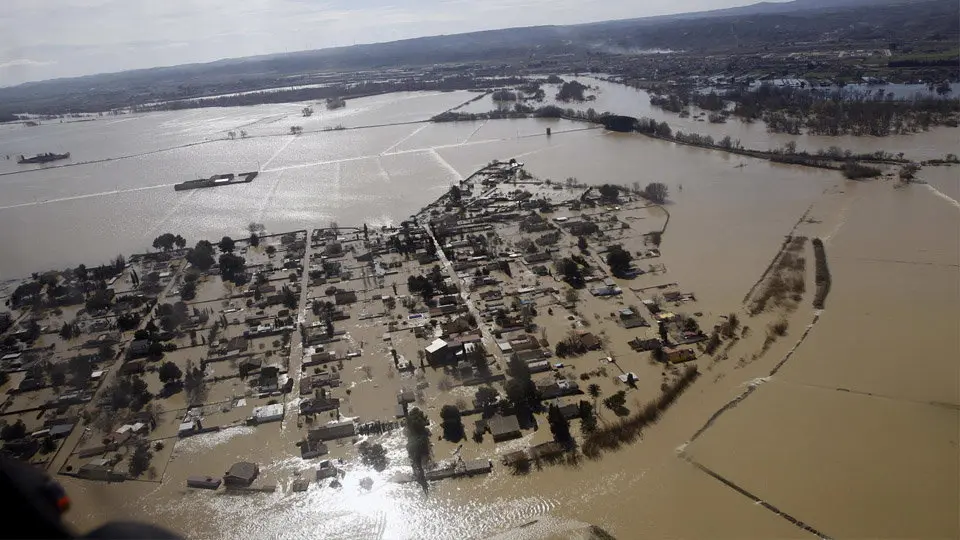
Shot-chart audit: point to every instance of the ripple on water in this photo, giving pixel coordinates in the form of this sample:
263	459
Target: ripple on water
386	510
206	441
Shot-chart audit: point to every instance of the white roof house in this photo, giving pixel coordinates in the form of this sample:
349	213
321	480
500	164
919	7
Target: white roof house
437	345
268	413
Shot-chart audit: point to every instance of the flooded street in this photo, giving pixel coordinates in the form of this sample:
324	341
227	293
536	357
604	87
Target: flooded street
855	435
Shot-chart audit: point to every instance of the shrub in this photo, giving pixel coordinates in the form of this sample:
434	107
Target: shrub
779	328
855	171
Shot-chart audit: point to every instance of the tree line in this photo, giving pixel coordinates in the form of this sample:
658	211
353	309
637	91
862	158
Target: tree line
793	110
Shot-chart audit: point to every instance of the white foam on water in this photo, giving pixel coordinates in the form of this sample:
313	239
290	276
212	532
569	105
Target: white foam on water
944	196
207	441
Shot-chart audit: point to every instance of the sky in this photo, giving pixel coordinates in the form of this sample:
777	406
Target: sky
46	39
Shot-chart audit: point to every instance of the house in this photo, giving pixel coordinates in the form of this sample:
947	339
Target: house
476	466
539	366
326	470
92	358
427	258
490	296
50	422
30	383
140	348
320	358
582	228
100	469
60	431
267	289
504	428
605	291
300	485
406	395
534	258
634	322
318	405
333	431
309	383
514	458
312	449
676	355
203	482
241	474
345	297
531	355
269	379
12	360
147	418
118	438
590	341
188	427
249	364
547	450
641	345
630	318
570	410
448	300
238	344
267	413
550	387
526	342
437	352
456	326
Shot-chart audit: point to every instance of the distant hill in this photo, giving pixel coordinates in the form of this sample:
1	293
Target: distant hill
766	8
743	29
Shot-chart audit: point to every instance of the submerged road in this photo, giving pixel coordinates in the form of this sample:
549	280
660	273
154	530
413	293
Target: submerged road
295	359
490	343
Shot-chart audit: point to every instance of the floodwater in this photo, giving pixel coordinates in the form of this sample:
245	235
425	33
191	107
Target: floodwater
855	435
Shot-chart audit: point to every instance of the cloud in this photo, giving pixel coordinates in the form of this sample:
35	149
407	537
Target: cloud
24	62
58	38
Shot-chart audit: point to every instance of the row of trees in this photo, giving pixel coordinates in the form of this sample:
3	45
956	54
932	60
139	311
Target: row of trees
833	112
231	266
419	448
53	288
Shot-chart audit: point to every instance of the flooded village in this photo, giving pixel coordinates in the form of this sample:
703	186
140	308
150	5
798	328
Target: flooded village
528	345
493	306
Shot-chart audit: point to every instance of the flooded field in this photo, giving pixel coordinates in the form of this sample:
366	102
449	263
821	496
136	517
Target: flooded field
854	435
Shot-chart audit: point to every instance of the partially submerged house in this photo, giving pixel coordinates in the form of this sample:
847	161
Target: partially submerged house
138	349
641	345
203	482
590	341
333	431
504	428
241	474
437	352
267	413
677	355
312	449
